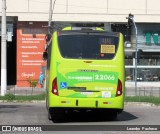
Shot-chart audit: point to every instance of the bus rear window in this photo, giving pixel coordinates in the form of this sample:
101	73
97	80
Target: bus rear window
88	46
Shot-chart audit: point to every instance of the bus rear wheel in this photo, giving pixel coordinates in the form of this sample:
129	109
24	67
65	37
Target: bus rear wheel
56	114
113	115
110	115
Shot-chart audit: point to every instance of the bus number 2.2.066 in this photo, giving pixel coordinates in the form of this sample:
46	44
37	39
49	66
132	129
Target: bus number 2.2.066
104	77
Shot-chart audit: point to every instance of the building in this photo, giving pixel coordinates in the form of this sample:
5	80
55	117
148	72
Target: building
27	22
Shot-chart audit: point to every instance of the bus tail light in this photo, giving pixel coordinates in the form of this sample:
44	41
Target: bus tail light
55	87
119	88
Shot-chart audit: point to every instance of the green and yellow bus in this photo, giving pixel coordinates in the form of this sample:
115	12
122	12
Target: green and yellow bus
85	71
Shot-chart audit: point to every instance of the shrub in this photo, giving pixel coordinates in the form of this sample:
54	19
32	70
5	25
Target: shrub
9	97
32	83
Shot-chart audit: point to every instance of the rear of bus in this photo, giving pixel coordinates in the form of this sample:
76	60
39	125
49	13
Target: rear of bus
86	71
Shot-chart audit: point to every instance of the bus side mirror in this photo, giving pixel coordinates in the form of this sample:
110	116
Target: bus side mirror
45	55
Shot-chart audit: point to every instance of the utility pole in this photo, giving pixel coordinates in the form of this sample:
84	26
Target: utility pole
130	22
3	51
50	16
51	9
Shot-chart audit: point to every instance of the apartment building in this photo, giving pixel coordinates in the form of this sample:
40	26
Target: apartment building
27	22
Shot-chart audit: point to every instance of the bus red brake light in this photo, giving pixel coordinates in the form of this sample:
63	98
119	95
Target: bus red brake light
119	88
55	87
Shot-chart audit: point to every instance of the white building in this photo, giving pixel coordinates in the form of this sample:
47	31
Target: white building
30	18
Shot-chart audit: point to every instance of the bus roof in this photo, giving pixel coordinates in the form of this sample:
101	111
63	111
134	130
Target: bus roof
95	32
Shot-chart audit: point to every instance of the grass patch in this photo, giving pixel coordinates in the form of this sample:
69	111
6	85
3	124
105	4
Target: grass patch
20	98
148	99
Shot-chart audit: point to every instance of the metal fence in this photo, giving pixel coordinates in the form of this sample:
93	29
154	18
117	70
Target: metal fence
27	88
142	89
26	91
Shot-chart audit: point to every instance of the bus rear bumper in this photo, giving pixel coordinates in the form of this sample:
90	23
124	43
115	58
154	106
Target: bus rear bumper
64	102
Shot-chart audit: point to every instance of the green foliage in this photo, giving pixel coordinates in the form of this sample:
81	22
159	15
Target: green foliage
31	97
9	97
32	83
22	98
148	99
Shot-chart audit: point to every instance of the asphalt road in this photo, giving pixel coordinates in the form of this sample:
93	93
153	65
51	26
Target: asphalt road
36	114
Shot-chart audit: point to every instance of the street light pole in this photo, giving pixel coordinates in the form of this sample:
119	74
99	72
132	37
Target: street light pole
3	51
136	57
131	18
51	8
50	16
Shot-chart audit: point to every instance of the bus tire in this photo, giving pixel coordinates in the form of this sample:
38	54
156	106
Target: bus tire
49	116
56	114
113	115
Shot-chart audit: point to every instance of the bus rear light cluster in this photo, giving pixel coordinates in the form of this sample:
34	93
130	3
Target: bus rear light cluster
119	88
55	87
